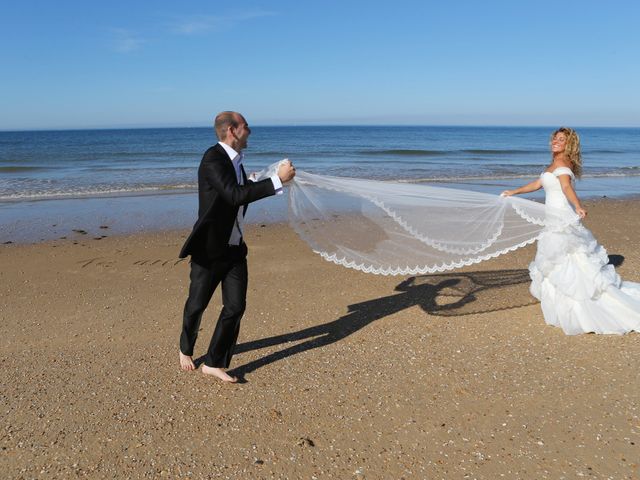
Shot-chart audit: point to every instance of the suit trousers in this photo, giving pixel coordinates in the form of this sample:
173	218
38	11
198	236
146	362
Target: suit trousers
231	271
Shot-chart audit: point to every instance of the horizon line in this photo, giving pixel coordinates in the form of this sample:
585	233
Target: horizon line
306	125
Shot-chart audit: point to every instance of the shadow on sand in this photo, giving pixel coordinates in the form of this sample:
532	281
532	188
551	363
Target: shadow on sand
443	294
616	260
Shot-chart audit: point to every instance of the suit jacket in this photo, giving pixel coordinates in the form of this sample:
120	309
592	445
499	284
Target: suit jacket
219	198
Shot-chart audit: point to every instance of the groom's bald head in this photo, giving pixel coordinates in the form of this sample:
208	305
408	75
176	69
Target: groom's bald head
224	120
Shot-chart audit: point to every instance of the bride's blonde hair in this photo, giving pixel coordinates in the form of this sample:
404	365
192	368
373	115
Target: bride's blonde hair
572	149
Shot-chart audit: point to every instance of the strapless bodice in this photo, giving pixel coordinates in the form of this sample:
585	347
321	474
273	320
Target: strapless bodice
554	196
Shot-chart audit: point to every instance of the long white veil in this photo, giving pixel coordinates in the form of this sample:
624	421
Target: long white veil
390	228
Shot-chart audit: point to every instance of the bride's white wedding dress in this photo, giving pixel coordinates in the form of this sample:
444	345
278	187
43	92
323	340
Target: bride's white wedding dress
577	288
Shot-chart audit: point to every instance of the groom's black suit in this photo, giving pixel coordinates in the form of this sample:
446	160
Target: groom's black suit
213	260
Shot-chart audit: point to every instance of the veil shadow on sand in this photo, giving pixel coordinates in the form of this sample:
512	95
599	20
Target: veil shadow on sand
450	294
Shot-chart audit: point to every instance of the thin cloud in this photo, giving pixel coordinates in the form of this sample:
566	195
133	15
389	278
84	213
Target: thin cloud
126	41
203	24
199	25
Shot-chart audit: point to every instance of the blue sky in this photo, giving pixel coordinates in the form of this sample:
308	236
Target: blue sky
85	64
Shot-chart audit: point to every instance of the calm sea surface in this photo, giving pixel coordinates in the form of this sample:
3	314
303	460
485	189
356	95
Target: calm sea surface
39	170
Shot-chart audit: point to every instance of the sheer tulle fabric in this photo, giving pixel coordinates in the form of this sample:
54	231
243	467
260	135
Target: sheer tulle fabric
407	229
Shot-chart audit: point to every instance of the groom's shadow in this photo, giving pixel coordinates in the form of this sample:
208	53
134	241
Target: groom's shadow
444	294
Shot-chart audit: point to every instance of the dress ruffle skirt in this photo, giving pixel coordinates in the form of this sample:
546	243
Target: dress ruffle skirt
579	291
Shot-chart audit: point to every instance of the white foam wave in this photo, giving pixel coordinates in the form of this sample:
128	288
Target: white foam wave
471	178
45	191
97	192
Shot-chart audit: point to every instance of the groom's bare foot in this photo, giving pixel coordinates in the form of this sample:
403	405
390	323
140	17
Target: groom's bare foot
186	362
219	373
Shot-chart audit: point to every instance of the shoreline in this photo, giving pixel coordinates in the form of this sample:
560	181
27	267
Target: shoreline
27	222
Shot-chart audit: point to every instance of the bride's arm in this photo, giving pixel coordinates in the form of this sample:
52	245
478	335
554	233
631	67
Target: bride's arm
529	187
570	193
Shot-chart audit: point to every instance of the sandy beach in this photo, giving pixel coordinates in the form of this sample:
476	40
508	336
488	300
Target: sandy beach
346	375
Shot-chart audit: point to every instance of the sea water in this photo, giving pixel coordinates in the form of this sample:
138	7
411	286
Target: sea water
54	182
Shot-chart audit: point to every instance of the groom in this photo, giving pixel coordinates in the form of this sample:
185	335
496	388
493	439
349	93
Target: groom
217	248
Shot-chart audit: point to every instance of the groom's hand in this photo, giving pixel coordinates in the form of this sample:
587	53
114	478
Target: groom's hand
286	171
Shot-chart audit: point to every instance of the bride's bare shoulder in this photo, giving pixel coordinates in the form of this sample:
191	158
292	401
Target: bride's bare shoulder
556	165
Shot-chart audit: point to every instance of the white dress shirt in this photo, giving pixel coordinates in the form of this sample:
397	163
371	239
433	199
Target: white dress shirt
236	159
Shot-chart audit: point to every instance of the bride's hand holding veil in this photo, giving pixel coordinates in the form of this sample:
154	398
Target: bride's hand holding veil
529	187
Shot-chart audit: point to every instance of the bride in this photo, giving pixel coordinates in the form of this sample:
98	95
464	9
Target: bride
577	288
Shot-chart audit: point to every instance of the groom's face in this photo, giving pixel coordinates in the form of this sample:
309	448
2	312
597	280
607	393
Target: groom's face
241	133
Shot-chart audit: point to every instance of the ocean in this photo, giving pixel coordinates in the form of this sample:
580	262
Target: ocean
55	182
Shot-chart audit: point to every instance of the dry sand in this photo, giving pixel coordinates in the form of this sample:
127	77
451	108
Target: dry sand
348	375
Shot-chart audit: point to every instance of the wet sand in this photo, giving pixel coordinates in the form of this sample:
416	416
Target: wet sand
347	375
